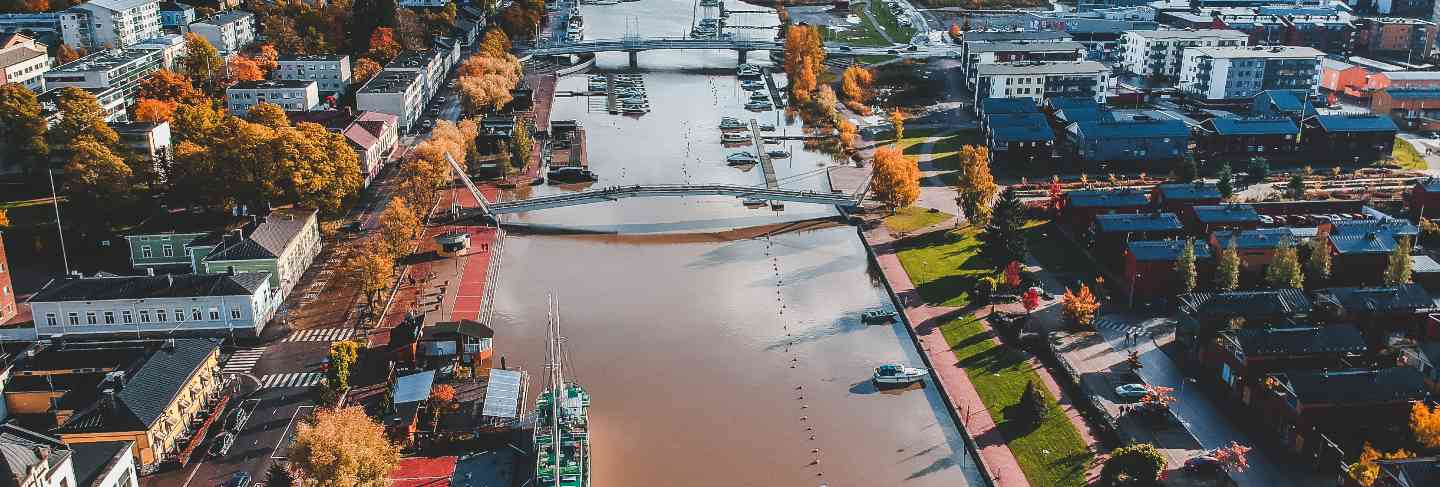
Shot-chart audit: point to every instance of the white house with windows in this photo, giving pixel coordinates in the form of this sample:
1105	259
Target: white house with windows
110	24
211	304
291	95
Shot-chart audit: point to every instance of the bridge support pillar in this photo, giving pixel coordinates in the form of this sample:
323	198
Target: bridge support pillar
743	54
634	59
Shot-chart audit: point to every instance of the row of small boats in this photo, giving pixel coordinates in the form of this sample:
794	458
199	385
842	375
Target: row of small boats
628	90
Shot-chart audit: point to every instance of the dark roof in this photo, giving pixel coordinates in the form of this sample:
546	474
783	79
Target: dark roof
1283	101
1133	129
1390	226
1079	114
94	459
1024	127
1260	238
268	240
1356	123
151	287
23	449
990	106
1356	386
148	389
1402	298
1431	184
1413	94
1165	250
1226	214
1253	126
1409	472
1061	103
1301	340
1007	35
1188	191
1370	243
469	328
187	222
1137	222
1241	303
1103	198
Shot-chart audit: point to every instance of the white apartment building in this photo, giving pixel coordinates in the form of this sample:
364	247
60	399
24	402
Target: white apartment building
1041	80
1159	52
241	303
1221	73
170	46
229	31
431	64
24	61
330	72
292	95
113	76
397	92
110	24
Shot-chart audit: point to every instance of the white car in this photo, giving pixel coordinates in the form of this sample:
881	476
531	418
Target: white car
1131	391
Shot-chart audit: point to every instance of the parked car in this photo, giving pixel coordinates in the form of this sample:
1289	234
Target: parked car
1131	391
239	479
1206	464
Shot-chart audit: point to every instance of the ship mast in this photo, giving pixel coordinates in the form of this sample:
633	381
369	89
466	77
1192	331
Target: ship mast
557	387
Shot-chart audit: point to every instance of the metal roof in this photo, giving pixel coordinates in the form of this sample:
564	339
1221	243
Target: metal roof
1023	45
1061	103
1270	52
1260	238
1245	303
1370	243
1356	123
1165	250
1066	67
1359	386
1106	198
1300	340
502	394
1079	114
1254	126
1133	129
1137	222
991	106
1406	298
150	287
1392	226
1226	214
1026	127
1403	94
414	387
1423	264
1188	191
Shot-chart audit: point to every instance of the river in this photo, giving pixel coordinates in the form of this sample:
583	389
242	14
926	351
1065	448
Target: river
715	357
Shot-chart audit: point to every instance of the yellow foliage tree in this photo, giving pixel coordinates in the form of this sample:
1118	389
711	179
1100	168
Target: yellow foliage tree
896	178
1079	307
151	110
897	121
1365	471
1425	424
343	447
976	186
371	268
244	69
398	226
364	69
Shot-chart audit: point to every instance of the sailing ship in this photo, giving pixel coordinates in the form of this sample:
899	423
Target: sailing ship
562	420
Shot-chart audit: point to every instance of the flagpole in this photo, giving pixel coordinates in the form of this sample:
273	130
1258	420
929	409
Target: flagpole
65	257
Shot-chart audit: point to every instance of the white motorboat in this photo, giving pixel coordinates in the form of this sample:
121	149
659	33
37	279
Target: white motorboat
777	153
731	123
767	127
759	96
898	374
734	137
741	158
759	105
751	85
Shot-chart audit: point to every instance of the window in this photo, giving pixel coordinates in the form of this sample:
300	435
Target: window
187	251
90	318
195	314
74	318
50	319
179	314
125	317
160	316
109	317
167	251
146	252
214	314
145	316
234	313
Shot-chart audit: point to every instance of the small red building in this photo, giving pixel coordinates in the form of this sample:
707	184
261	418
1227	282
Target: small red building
1346	406
1239	359
1177	197
1150	267
1256	247
1203	219
1379	311
1424	198
1082	206
1111	233
7	288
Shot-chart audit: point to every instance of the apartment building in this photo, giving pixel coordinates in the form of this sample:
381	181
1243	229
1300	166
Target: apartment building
112	76
282	246
1041	80
396	92
176	17
22	60
431	64
1229	73
1157	53
229	31
289	94
214	304
35	23
170	46
110	24
1019	51
373	135
1326	28
330	72
1400	39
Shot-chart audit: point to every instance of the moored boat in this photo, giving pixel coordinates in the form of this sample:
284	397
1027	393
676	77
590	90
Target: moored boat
893	373
731	123
741	158
734	137
777	153
876	315
562	422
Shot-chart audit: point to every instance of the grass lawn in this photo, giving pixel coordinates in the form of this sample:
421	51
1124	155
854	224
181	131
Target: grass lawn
1406	156
945	150
890	23
912	218
5	205
1057	255
945	265
1051	454
864	34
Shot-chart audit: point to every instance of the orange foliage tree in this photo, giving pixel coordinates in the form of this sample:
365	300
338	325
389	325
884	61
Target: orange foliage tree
169	86
1079	307
152	110
1365	471
64	54
896	178
267	58
855	85
363	70
383	46
1425	425
804	60
245	69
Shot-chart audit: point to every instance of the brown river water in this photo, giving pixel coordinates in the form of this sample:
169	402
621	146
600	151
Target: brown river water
715	357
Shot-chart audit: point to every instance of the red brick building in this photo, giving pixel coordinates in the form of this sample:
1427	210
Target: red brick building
8	308
1177	197
1424	198
1300	406
1239	359
1150	267
1082	206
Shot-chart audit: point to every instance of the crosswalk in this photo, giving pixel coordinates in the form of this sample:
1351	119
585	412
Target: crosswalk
320	335
297	379
242	361
1112	324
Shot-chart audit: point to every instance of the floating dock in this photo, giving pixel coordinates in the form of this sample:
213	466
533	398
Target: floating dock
766	164
774	91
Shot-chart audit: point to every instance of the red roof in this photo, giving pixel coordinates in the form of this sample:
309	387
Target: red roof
423	472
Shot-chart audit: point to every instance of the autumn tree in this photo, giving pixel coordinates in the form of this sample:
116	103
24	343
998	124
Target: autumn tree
897	121
320	167
151	110
64	54
383	46
169	86
1365	471
339	360
4	219
1185	267
802	87
1397	271
22	127
1233	457
1227	267
266	58
268	114
1004	239
855	86
398	226
1284	269
242	68
976	186
342	447
364	69
201	61
804	60
81	119
521	146
442	398
94	169
896	178
1079	307
495	44
1317	267
1133	465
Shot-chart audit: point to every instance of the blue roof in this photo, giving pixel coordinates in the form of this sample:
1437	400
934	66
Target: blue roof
1133	129
413	387
1079	114
1413	94
1188	191
1431	184
1165	250
1389	226
1263	238
1006	127
990	106
1356	123
1287	101
1370	243
1106	198
1058	103
1254	126
1226	214
1137	222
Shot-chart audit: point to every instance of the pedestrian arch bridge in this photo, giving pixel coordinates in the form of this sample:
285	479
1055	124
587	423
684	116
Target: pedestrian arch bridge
635	45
